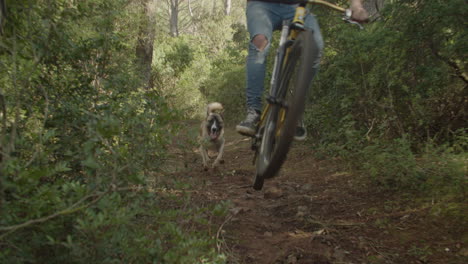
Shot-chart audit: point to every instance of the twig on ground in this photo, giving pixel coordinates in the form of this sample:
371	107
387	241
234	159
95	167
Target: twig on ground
218	244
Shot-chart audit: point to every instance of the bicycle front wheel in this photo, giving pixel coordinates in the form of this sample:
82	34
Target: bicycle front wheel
281	121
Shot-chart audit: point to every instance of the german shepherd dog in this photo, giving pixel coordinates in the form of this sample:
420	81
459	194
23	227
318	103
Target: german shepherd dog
212	134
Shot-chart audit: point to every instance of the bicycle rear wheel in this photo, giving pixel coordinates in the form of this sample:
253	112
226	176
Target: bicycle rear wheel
280	125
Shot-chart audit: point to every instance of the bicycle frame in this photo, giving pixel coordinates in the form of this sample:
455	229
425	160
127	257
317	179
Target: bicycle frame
286	100
289	32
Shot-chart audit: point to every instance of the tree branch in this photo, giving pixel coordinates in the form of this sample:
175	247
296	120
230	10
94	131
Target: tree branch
69	210
72	209
458	71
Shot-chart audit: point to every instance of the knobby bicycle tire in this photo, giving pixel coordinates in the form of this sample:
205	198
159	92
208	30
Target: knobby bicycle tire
295	79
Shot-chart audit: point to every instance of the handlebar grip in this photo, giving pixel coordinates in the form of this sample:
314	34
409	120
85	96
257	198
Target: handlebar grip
347	18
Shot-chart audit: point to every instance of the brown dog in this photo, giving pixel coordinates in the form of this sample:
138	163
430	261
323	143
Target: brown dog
212	134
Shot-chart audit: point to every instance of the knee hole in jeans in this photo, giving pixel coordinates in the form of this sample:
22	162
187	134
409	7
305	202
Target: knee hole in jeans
260	41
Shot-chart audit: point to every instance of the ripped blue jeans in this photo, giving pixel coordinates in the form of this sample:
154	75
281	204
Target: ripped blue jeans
262	19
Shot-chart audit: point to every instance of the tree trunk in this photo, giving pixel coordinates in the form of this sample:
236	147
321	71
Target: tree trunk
190	8
227	7
144	48
2	15
174	19
213	10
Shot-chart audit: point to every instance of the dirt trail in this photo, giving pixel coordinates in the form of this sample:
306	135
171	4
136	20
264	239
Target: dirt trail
314	212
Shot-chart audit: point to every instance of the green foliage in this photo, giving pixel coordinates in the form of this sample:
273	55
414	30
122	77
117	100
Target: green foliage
135	227
393	165
80	140
385	93
194	69
439	171
226	82
396	74
180	57
225	85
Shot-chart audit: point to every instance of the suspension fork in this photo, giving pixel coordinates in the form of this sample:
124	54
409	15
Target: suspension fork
274	82
271	99
279	58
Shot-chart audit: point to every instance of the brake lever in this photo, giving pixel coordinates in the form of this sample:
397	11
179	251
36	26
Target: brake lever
347	19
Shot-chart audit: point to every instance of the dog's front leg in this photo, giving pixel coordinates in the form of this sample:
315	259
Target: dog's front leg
219	158
205	157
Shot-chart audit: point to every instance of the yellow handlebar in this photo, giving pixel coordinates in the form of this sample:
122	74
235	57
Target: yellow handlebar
325	3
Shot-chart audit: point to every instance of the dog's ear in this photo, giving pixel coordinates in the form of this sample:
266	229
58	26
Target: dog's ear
214	107
220	111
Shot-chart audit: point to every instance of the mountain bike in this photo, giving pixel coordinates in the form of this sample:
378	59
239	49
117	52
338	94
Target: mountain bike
291	78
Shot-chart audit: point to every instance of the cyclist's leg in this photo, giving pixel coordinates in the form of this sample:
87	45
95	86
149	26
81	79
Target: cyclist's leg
262	19
311	24
260	23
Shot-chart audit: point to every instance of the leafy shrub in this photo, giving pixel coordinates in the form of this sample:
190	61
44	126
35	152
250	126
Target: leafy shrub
212	69
80	142
225	86
385	92
392	165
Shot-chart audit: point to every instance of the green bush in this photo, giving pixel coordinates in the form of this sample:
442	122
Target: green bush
193	70
438	171
80	142
383	94
392	165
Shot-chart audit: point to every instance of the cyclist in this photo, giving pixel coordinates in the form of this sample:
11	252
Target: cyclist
264	16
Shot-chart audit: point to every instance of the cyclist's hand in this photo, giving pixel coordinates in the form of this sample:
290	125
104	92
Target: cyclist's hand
359	14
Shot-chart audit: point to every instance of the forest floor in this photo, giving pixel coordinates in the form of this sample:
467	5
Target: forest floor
315	212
